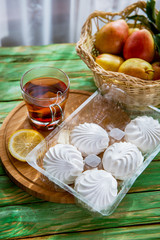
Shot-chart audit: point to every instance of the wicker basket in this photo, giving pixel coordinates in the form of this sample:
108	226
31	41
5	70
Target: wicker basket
138	92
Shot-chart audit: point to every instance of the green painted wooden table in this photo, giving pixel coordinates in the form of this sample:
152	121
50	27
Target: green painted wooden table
23	216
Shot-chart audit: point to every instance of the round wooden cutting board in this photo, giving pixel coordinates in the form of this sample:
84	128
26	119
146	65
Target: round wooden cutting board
23	174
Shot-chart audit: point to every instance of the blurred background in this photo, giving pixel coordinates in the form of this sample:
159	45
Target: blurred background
41	22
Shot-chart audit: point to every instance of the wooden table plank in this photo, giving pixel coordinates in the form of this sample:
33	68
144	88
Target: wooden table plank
2	171
10	91
41	57
145	232
49	218
14	71
149	180
56	51
11	194
6	108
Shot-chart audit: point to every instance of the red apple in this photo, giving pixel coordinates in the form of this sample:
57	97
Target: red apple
156	68
111	37
139	44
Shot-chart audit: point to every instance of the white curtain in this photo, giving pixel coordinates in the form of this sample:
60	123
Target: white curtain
41	22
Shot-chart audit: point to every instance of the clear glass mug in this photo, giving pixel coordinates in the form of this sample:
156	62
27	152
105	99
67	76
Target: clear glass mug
45	91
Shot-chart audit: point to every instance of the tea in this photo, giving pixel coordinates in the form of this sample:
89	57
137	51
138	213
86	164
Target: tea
41	94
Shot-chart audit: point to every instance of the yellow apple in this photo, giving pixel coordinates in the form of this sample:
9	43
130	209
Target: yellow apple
109	62
137	67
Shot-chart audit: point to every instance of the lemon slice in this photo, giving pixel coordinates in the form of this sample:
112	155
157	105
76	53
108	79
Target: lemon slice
22	142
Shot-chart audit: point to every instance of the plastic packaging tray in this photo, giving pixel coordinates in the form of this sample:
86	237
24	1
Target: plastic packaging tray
104	111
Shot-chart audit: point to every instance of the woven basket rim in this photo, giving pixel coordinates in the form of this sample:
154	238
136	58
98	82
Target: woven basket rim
97	69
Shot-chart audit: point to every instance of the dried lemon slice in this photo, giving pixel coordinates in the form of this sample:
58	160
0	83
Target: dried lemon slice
22	142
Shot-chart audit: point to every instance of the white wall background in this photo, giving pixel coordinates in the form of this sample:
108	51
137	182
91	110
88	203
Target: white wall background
40	22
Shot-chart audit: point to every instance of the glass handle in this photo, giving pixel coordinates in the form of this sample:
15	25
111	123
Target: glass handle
53	111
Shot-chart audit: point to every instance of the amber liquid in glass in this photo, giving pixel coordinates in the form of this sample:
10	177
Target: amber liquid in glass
45	91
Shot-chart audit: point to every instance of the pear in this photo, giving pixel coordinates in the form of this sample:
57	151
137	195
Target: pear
137	67
139	44
132	30
156	68
111	37
109	62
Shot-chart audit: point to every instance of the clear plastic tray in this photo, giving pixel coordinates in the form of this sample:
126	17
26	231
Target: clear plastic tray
102	110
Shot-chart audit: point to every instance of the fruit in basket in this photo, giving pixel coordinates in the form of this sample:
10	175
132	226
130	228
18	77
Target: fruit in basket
132	30
137	67
109	62
156	57
111	37
139	44
156	68
151	21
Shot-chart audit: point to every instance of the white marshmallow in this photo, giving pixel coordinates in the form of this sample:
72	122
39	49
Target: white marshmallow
98	187
89	138
64	162
144	132
122	159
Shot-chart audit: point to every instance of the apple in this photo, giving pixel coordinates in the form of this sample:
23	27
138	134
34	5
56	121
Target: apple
156	68
109	62
137	67
139	44
111	37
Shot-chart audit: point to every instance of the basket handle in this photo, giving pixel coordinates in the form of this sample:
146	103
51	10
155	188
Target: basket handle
87	26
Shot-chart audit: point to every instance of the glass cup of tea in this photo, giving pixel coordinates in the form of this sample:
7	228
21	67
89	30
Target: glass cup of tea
45	91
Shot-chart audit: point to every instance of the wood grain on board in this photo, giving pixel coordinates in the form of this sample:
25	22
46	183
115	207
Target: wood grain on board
23	174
